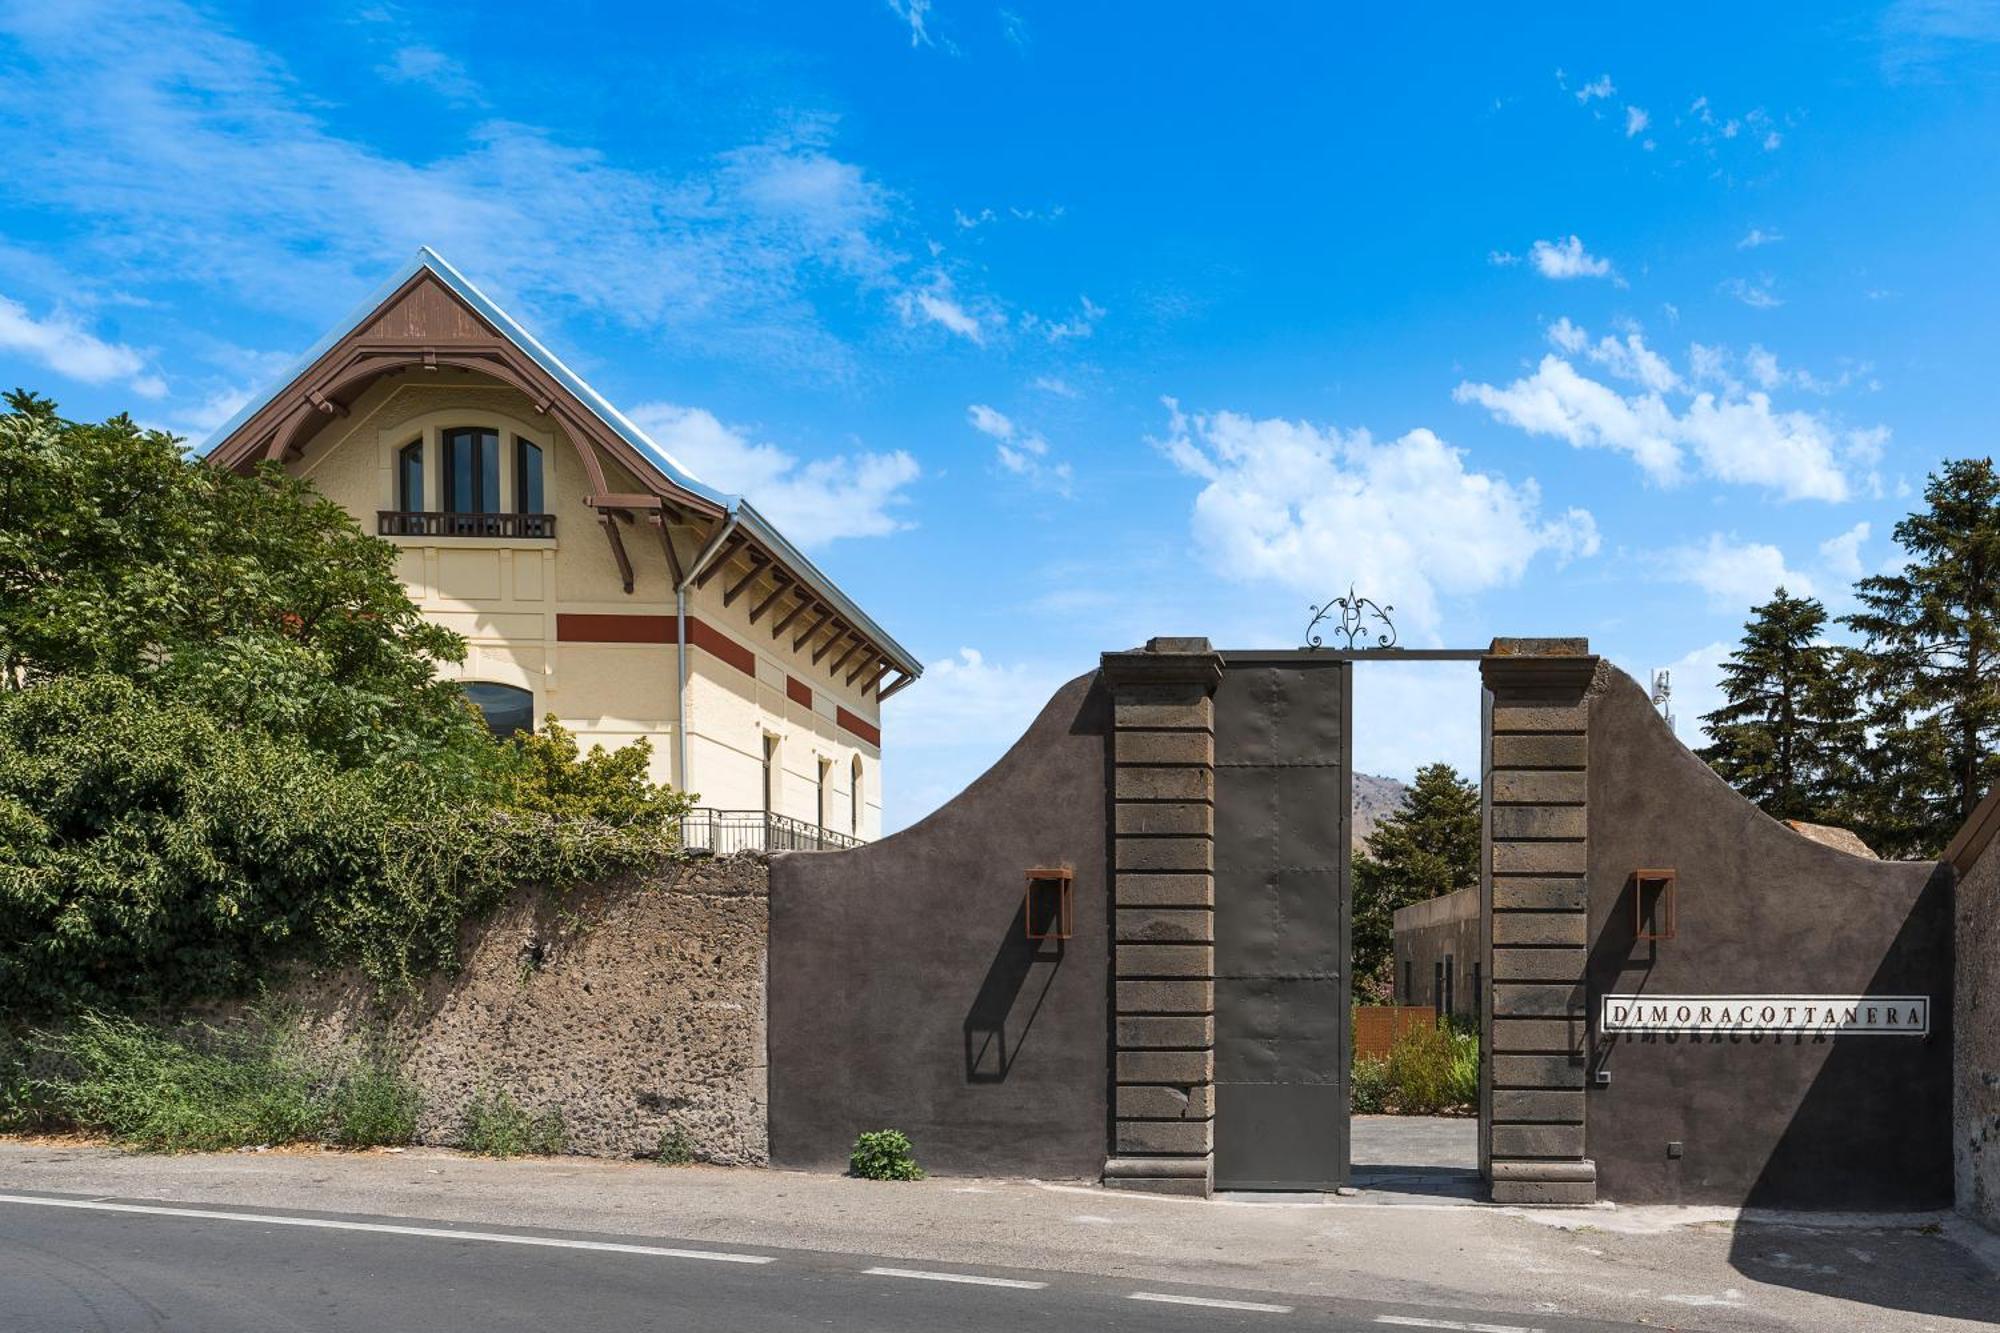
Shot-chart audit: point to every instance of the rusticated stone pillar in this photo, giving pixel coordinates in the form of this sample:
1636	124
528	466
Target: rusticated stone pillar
1538	794
1163	810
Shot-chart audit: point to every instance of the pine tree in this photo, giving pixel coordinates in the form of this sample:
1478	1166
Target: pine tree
1931	664
1787	734
1427	847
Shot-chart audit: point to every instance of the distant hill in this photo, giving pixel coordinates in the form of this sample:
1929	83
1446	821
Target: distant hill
1373	798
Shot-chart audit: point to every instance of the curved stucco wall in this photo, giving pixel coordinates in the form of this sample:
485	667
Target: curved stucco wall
904	992
1857	1121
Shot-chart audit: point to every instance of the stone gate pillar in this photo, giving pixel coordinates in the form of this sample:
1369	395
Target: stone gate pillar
1163	890
1538	746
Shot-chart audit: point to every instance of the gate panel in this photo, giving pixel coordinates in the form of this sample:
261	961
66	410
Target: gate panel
1282	812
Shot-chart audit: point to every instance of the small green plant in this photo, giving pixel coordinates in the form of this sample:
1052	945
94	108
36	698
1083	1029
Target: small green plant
374	1106
884	1154
673	1149
1369	1087
1462	1087
495	1125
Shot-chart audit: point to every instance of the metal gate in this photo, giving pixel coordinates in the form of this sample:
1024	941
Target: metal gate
1282	1030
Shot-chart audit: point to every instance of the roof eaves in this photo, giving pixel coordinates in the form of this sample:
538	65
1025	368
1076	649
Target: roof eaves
844	606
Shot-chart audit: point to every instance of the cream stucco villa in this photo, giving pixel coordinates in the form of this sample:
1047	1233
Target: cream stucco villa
594	577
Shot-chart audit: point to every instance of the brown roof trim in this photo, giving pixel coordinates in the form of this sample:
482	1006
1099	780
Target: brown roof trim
424	325
1971	840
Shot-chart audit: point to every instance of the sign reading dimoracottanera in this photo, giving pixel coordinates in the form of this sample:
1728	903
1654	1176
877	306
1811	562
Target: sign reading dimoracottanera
1807	1015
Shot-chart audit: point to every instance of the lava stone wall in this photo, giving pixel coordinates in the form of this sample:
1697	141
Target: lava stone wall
633	1007
1767	1121
905	992
1976	1024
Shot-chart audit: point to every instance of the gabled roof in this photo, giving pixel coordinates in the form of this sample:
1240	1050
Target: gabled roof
270	423
429	260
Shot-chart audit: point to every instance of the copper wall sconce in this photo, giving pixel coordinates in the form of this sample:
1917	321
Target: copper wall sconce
1047	908
1655	914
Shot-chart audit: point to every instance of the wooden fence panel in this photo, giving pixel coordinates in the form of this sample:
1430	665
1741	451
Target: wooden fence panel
1376	1026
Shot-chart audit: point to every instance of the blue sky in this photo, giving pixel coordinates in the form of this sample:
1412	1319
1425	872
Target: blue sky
1047	328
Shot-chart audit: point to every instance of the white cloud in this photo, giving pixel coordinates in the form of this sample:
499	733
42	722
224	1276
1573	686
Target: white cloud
1731	435
112	109
1920	36
1025	453
1599	87
952	725
1627	358
1842	554
1080	325
1757	295
913	12
1288	501
1757	236
813	503
1557	401
1567	259
1736	575
935	304
1636	121
427	67
59	342
1502	258
1056	385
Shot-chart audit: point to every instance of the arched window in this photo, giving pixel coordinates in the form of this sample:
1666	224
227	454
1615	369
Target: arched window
410	477
825	790
770	773
854	798
506	708
471	470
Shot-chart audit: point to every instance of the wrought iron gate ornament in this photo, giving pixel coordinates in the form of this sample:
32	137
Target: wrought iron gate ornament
1355	613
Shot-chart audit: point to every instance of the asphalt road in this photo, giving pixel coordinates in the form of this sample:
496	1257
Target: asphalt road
69	1263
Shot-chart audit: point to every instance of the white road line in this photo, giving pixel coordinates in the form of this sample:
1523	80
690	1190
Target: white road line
1208	1301
973	1278
392	1229
1458	1326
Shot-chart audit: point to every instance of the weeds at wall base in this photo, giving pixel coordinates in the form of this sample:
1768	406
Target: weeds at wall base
197	1088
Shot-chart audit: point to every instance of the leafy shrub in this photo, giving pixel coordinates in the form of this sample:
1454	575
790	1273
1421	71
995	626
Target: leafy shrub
673	1148
1369	1086
884	1154
374	1106
1432	1069
150	854
545	775
200	1091
495	1125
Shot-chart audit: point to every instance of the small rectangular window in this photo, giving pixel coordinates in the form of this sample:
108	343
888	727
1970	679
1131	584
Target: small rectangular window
410	477
528	477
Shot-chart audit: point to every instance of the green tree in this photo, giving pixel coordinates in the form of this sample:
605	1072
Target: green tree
224	744
252	596
1788	733
1427	847
1931	665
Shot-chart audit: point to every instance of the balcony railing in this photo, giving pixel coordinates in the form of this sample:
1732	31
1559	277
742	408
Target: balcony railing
726	831
403	523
